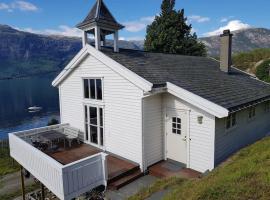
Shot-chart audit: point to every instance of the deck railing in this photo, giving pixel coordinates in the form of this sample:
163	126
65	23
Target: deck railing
65	181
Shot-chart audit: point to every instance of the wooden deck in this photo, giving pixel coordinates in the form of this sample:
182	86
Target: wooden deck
167	169
117	168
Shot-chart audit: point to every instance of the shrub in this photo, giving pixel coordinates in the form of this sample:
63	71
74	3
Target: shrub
262	71
53	122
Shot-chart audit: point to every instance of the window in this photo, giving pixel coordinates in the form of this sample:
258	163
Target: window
231	121
93	89
94	128
251	112
267	107
176	125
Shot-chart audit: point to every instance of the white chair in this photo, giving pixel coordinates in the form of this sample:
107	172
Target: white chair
72	134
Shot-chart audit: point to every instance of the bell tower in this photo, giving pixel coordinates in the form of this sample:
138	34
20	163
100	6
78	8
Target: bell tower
100	23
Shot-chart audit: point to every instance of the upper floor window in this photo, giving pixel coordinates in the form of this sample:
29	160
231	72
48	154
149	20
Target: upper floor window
267	107
93	89
252	112
231	121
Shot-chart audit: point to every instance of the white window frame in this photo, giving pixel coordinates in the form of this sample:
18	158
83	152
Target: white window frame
102	88
176	128
98	125
252	113
267	107
230	118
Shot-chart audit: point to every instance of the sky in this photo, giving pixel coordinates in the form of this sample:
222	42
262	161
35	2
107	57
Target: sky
208	17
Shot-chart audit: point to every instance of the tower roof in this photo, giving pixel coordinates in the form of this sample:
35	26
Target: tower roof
100	15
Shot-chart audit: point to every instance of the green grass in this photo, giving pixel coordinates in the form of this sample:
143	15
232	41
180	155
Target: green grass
246	175
18	193
6	163
157	186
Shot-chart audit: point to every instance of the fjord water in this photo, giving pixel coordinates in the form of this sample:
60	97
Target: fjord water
17	95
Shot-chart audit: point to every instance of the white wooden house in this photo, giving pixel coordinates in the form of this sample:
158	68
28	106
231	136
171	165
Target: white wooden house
148	107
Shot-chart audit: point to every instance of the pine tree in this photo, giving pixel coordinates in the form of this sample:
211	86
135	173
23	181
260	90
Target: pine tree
170	33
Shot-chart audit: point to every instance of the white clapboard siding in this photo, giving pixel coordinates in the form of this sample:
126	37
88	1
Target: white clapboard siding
153	130
201	150
246	132
122	106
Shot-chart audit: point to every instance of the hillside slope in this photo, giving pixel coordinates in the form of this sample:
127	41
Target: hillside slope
243	41
246	175
23	53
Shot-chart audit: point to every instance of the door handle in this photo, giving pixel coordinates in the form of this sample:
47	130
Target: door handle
185	139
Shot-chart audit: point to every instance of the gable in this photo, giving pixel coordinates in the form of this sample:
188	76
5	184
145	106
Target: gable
143	84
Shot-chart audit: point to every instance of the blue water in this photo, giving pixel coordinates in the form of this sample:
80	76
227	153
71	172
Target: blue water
19	94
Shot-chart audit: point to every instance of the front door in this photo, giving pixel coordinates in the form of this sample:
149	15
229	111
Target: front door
177	135
94	125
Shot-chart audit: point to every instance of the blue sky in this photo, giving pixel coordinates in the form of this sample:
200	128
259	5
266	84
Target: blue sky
208	17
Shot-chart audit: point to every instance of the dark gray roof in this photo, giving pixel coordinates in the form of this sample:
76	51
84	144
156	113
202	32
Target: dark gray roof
199	75
100	14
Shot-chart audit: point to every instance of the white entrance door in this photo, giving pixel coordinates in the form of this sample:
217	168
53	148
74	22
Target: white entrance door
177	128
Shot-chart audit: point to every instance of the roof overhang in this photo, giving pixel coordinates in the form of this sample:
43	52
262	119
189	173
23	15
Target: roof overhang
197	101
112	64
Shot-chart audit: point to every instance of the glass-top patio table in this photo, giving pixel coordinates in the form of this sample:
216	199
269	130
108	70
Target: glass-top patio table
51	136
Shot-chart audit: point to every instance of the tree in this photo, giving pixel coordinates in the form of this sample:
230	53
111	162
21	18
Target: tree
170	33
53	122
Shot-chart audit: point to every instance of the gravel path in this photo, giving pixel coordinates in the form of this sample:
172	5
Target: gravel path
12	183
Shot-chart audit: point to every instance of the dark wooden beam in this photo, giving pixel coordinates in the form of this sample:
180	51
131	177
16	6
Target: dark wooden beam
42	191
22	184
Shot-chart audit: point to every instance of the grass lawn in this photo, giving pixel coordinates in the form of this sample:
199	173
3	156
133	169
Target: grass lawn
6	164
246	175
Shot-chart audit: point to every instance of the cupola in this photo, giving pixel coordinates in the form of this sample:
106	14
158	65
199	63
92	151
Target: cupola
100	23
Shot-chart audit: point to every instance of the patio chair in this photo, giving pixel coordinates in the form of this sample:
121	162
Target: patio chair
71	135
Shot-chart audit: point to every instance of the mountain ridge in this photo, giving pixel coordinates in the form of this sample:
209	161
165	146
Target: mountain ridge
24	54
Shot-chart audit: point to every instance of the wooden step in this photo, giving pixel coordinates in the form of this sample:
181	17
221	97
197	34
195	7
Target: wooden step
117	184
122	174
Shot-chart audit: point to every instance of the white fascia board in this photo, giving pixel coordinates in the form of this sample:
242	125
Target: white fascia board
120	69
197	101
70	67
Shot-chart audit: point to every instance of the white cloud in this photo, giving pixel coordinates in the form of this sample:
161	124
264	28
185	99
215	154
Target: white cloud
135	38
18	5
226	19
4	6
198	18
138	25
233	25
62	30
24	6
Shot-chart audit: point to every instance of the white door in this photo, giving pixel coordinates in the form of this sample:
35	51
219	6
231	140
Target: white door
177	128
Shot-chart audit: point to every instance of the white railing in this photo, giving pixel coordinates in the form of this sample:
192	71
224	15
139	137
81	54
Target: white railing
65	181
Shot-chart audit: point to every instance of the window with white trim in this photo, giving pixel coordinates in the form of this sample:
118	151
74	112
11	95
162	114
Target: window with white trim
251	112
176	125
94	124
231	121
93	89
267	107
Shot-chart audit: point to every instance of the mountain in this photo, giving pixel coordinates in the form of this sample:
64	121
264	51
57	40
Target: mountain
243	41
25	54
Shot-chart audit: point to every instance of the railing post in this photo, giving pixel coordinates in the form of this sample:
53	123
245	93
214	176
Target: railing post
105	167
22	182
